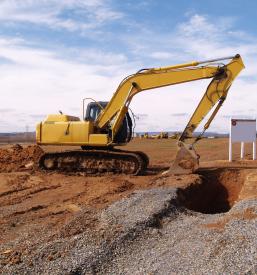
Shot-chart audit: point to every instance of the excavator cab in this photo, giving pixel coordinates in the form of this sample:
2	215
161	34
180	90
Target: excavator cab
94	109
124	134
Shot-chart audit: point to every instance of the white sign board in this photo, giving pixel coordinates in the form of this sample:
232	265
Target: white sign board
242	130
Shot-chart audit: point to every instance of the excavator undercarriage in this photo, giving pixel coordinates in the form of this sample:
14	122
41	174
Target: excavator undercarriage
96	161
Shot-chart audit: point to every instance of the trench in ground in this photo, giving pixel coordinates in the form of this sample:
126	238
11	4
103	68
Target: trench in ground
216	192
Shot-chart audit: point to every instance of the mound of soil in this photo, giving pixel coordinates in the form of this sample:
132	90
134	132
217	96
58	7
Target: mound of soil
17	158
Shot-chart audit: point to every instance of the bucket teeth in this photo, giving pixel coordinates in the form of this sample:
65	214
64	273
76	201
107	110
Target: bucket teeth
186	161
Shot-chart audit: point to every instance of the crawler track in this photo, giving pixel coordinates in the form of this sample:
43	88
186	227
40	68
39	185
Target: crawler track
96	162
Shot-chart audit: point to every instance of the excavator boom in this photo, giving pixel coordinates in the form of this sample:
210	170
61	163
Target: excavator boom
146	79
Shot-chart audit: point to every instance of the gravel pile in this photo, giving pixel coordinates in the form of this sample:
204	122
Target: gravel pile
194	244
150	233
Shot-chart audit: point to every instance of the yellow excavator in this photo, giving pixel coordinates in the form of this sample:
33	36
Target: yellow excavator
106	125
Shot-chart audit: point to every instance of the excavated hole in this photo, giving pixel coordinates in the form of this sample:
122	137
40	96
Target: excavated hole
215	192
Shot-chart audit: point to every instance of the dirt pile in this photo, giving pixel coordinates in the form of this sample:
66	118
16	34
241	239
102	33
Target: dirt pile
17	158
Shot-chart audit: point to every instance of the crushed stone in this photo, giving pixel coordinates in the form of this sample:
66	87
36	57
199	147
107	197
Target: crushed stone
148	232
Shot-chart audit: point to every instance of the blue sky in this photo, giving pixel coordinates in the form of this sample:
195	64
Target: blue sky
55	53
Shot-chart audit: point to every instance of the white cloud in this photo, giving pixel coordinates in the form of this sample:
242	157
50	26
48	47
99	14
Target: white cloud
38	81
82	14
202	37
162	55
198	26
199	37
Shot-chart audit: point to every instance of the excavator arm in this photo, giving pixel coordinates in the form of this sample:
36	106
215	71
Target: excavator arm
222	77
216	93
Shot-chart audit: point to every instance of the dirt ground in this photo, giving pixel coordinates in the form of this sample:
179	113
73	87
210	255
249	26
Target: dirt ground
35	202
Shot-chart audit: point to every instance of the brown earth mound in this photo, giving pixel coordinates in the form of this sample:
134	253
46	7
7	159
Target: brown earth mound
17	158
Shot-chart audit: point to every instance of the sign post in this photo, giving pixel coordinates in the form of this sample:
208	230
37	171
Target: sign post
242	130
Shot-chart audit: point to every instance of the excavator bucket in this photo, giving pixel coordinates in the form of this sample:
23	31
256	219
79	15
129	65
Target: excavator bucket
186	161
